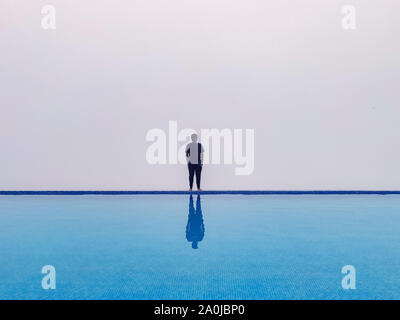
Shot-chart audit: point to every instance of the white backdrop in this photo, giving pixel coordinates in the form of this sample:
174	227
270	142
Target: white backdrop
77	102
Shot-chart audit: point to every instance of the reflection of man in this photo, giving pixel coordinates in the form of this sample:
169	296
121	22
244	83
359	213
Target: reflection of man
195	225
194	156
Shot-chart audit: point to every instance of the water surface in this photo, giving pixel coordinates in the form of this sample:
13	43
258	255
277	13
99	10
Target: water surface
217	247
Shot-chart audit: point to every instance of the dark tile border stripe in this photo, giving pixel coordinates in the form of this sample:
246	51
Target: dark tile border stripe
241	192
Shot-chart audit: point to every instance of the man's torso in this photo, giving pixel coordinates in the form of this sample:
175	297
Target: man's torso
193	151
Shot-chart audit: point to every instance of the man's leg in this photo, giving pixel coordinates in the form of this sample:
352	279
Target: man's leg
191	175
198	175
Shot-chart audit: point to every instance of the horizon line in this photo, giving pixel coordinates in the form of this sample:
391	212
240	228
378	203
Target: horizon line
175	192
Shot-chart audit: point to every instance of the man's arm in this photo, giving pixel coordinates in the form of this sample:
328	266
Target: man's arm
201	154
187	151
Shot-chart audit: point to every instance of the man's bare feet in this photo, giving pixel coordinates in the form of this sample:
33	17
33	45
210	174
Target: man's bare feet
190	190
199	190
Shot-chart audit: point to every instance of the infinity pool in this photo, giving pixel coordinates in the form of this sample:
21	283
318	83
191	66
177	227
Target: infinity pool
213	247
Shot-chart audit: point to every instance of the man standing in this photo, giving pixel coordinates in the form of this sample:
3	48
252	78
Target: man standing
194	157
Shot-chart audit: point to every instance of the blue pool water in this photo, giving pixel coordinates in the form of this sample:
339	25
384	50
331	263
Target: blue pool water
248	247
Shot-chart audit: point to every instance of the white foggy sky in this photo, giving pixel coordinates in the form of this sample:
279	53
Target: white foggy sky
76	103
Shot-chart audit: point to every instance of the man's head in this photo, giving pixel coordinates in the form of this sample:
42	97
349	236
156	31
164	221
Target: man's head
194	137
194	245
